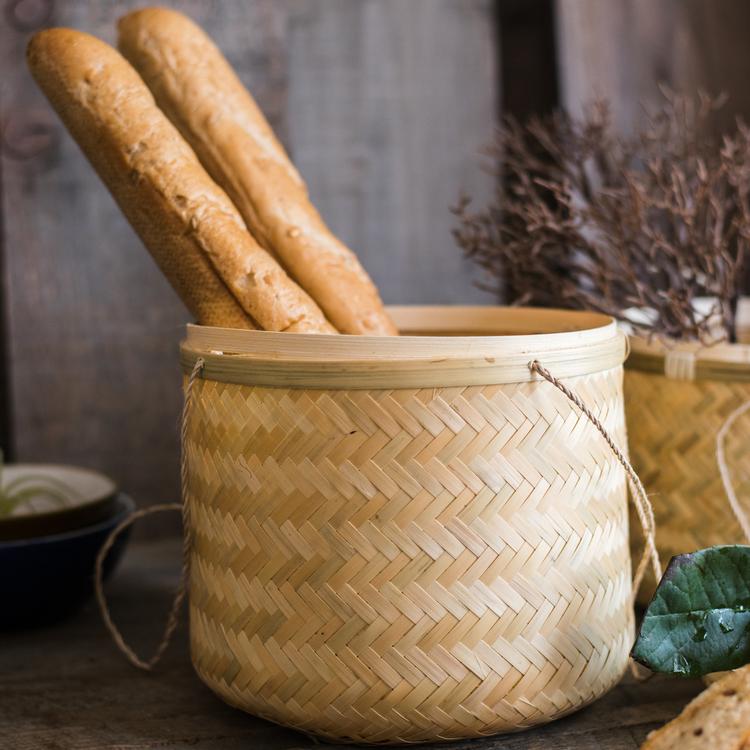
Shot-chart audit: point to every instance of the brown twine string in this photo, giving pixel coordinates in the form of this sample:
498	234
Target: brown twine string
726	477
640	498
187	538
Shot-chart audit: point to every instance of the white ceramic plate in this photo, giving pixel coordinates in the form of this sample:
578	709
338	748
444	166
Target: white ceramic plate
78	487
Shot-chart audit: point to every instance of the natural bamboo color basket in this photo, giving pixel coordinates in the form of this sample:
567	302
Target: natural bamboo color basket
677	400
409	539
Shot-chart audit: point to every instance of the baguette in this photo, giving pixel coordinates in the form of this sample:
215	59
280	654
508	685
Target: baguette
199	91
186	221
718	718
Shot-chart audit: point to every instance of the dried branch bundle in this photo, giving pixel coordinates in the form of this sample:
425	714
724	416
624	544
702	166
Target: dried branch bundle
583	218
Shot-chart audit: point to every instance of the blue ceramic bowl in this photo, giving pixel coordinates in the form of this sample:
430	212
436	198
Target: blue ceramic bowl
47	578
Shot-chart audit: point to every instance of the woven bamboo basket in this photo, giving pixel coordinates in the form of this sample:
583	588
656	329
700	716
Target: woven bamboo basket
677	400
409	539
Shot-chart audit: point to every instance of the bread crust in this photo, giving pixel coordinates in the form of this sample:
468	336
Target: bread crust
199	91
187	222
717	718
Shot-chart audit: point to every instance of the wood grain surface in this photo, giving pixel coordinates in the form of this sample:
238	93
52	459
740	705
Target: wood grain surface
389	105
383	104
625	50
66	687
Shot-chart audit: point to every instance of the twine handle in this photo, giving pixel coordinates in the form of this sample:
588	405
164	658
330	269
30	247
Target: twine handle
726	477
179	596
181	592
640	498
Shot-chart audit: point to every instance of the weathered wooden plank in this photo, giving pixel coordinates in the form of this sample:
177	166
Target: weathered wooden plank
68	687
626	50
389	104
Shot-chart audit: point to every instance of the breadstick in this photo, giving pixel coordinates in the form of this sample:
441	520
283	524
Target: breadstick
188	223
197	88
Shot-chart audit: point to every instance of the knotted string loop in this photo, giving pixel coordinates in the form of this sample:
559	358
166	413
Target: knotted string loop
187	538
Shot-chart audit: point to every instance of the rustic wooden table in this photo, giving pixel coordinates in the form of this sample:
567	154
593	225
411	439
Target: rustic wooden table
66	687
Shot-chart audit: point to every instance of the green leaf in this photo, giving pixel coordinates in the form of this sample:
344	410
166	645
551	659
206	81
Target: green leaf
699	619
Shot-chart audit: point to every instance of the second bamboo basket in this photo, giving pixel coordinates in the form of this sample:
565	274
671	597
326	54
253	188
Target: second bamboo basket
409	539
677	400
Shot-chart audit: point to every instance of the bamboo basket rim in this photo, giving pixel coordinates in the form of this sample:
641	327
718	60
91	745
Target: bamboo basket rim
570	342
721	361
693	360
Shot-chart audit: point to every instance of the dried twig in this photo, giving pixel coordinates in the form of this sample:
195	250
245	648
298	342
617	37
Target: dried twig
584	219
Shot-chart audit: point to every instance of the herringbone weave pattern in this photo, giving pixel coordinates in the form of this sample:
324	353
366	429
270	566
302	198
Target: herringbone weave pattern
672	428
408	565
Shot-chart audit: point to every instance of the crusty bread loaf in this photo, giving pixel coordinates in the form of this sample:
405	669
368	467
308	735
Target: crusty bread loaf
187	222
197	88
718	718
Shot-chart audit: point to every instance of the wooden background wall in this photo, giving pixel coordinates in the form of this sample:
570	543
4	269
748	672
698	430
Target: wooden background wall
383	105
626	49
